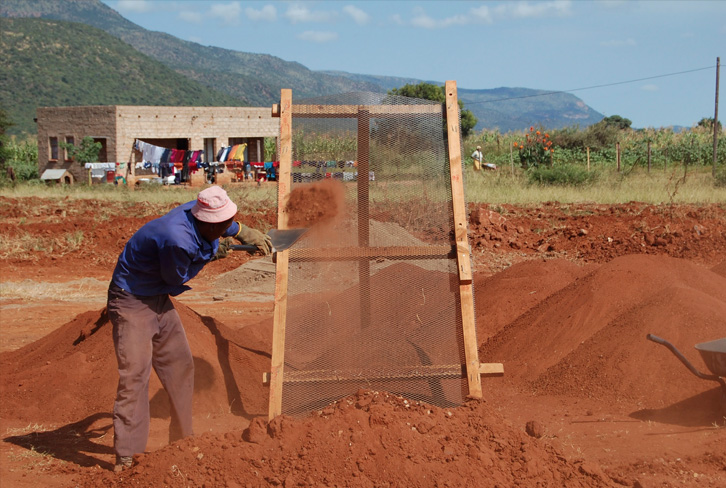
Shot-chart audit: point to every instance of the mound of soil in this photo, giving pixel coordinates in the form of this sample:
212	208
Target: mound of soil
588	339
501	298
368	439
71	373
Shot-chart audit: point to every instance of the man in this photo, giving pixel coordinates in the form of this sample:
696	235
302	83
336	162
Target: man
478	157
155	264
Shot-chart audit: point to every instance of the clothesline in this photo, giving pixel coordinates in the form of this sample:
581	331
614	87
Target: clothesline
232	153
156	154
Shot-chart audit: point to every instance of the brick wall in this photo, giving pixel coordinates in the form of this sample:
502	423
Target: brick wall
76	122
122	125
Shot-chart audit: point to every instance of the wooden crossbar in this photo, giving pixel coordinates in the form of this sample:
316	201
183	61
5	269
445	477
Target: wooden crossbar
381	374
352	111
356	253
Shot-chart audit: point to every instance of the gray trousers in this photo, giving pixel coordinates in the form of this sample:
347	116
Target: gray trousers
147	331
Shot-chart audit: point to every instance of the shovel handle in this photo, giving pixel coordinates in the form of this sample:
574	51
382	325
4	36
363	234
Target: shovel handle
250	248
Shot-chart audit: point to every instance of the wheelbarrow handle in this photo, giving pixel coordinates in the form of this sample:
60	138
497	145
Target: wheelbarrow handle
658	340
682	358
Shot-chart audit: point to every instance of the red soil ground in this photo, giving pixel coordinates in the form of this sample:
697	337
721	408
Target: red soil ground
564	295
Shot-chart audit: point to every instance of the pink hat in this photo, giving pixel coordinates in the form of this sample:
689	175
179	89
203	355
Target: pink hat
213	205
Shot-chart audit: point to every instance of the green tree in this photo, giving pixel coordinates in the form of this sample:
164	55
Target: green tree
707	123
5	122
86	152
616	121
427	91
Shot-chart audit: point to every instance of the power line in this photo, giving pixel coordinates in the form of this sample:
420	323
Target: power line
591	87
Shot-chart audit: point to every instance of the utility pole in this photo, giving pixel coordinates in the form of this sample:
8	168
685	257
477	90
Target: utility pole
715	119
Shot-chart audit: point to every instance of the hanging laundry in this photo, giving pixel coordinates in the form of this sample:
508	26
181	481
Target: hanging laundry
239	153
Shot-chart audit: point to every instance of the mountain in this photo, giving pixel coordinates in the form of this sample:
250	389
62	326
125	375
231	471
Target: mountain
506	109
509	109
52	63
256	79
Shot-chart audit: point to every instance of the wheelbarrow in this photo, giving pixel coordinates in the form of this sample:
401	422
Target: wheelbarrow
713	354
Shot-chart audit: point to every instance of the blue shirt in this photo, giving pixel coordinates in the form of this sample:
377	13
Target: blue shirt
164	254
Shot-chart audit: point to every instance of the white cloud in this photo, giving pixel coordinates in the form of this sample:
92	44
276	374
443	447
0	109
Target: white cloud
536	9
300	13
228	12
482	14
649	87
268	13
190	16
133	6
318	36
619	43
396	19
359	16
421	19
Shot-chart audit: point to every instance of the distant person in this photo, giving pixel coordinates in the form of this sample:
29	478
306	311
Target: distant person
478	158
155	264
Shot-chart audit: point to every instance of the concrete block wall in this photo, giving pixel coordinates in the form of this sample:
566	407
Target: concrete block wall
78	122
121	125
194	124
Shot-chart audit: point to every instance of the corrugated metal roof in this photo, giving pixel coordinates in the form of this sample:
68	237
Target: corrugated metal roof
53	174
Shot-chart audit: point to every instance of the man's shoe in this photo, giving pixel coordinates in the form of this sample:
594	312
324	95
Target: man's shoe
122	463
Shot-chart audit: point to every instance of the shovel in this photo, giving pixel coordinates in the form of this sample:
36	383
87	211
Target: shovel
281	239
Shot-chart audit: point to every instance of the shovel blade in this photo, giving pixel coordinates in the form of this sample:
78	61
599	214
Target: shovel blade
284	238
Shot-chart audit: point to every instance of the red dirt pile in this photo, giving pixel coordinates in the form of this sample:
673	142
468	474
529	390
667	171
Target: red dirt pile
588	338
558	328
71	373
365	440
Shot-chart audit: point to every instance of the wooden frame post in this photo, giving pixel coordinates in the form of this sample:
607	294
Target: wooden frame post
281	271
364	271
463	253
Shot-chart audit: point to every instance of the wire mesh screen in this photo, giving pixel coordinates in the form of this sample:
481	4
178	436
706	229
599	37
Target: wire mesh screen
373	291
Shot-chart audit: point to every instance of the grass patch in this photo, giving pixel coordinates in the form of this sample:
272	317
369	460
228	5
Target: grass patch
610	187
76	290
562	175
19	246
248	195
602	184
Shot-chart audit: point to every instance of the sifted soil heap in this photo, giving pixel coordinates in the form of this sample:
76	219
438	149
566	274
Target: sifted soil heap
580	334
588	338
368	439
585	338
501	298
71	373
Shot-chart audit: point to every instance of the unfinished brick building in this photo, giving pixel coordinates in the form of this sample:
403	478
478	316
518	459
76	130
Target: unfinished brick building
117	127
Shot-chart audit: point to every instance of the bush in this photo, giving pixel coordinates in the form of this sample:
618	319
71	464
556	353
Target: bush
536	150
22	157
720	179
561	175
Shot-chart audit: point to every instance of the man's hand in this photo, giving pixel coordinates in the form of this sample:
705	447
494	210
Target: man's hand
254	237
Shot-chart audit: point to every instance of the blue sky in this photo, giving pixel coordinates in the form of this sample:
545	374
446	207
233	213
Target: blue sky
620	57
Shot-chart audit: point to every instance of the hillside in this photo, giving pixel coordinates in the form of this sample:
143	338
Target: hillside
53	63
256	79
507	109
